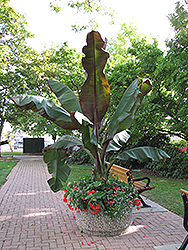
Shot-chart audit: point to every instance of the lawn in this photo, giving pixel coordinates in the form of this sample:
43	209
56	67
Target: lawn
6	165
166	192
78	171
11	153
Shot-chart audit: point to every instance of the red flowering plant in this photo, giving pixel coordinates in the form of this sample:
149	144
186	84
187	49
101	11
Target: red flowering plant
86	114
183	149
112	196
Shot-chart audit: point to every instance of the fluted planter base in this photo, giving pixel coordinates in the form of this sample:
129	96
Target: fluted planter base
102	225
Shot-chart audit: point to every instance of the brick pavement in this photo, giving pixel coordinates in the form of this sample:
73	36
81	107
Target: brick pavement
32	217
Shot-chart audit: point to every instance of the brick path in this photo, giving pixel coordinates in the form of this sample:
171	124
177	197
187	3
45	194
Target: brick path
33	217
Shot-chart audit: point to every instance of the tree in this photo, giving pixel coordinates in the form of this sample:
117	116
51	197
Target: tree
14	54
167	103
132	55
86	8
60	63
24	70
171	92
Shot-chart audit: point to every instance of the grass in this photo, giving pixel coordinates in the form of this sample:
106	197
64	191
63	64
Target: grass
11	153
166	192
78	171
6	165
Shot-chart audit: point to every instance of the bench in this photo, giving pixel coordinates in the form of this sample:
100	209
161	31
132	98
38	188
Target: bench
184	195
125	175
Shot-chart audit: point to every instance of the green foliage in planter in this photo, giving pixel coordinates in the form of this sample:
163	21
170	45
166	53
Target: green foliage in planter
112	196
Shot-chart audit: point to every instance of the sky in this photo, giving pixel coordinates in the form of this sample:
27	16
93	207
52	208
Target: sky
150	16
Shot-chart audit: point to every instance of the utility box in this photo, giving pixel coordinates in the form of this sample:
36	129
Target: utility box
33	145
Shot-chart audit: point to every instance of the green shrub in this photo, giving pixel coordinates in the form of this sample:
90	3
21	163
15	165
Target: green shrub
79	157
176	166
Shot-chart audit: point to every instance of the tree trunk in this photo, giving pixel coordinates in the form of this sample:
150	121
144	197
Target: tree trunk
1	130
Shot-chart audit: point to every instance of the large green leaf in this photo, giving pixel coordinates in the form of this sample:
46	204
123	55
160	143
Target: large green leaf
142	153
118	141
66	96
95	92
128	106
47	109
57	167
66	142
55	159
86	129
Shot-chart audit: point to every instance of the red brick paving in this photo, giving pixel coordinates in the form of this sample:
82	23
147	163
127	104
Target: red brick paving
32	217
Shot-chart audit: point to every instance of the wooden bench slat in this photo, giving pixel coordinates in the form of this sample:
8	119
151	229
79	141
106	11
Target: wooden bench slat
184	191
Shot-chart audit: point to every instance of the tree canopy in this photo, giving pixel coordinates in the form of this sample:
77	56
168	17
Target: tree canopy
86	7
165	110
14	55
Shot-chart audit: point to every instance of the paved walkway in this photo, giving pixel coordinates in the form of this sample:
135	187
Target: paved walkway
33	217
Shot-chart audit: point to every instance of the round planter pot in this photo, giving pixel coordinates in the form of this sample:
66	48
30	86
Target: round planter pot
101	225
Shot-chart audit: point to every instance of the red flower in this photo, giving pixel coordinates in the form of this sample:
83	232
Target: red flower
94	212
97	207
90	205
91	192
114	188
69	206
85	210
182	149
65	199
65	190
137	202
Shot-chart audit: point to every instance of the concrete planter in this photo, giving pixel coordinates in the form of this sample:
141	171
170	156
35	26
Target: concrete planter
102	225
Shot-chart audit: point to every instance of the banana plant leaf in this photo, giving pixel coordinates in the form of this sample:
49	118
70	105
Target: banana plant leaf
57	167
95	92
123	110
55	159
66	142
118	141
45	108
127	108
142	153
66	96
86	130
